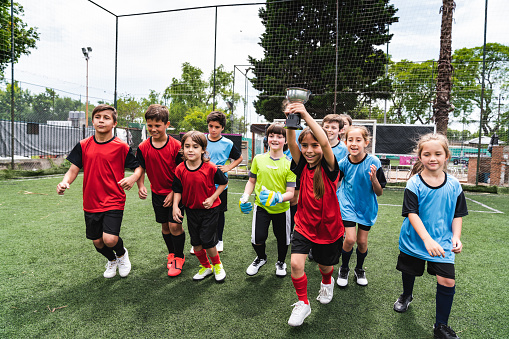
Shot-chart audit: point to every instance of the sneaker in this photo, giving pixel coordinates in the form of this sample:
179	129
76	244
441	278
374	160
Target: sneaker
444	332
326	292
343	276
299	313
310	255
401	305
255	266
280	269
219	246
111	269
124	265
171	256
176	266
202	273
219	272
360	276
191	250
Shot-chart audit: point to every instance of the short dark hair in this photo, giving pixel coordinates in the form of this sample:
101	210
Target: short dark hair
104	107
157	112
277	128
217	116
334	118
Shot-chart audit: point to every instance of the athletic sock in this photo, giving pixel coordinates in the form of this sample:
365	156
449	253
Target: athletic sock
260	251
345	258
360	257
282	249
107	252
119	247
444	298
326	277
220	226
202	257
215	260
178	244
301	288
293	210
408	283
168	242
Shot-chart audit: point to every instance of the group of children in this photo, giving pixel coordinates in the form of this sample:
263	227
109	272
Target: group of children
315	197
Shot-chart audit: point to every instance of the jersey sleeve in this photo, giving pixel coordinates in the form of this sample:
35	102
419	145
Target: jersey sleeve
461	206
298	168
76	156
410	203
220	178
234	153
130	160
332	175
178	159
140	158
177	185
380	175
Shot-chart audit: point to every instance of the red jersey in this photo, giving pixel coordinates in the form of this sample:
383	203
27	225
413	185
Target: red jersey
159	163
199	184
103	167
318	220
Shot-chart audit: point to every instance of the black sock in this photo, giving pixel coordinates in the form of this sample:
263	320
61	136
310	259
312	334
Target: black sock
220	226
119	247
282	249
168	242
408	283
293	210
107	252
178	244
360	257
444	298
260	251
345	258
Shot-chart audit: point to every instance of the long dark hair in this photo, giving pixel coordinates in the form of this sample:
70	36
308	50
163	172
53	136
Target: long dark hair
318	184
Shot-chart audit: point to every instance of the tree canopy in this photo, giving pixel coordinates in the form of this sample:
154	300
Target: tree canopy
300	50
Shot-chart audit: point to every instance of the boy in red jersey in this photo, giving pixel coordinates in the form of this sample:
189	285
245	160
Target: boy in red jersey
195	186
103	158
159	156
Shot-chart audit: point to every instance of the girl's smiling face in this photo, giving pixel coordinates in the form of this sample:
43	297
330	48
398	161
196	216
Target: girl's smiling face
192	150
356	143
276	141
311	150
433	156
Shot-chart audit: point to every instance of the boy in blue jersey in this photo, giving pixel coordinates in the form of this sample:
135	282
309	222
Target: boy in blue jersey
333	124
220	150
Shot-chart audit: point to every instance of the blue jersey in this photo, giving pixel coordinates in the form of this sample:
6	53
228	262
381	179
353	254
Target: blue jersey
222	150
436	207
356	197
340	151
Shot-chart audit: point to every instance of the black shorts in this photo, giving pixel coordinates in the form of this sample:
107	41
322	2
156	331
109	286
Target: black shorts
202	226
163	214
224	201
415	266
103	222
324	254
347	223
281	225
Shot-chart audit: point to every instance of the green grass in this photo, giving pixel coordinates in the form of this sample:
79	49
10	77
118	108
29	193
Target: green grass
46	262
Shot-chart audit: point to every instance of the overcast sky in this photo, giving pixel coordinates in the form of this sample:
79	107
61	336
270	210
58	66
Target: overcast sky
152	48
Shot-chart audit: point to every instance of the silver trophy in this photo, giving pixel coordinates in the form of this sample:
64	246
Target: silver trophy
296	94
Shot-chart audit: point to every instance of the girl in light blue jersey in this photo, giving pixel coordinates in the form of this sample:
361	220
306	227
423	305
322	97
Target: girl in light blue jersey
363	180
433	206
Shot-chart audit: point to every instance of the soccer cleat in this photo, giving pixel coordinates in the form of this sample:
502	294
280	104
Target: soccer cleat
343	276
360	277
219	272
176	266
170	260
111	269
326	292
202	273
191	250
255	266
443	331
219	246
299	313
280	269
401	305
124	265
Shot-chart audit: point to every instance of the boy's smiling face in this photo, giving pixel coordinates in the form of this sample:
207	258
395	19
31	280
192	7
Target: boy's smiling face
215	130
157	129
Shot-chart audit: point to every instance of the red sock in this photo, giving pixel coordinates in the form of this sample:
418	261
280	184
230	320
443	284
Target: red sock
215	260
202	257
326	277
301	288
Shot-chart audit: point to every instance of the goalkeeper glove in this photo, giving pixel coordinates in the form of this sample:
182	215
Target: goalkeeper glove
270	198
244	205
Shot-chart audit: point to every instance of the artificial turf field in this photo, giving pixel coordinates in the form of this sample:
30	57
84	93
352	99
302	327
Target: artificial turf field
52	284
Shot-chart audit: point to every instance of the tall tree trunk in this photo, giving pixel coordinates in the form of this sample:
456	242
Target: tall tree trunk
442	105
